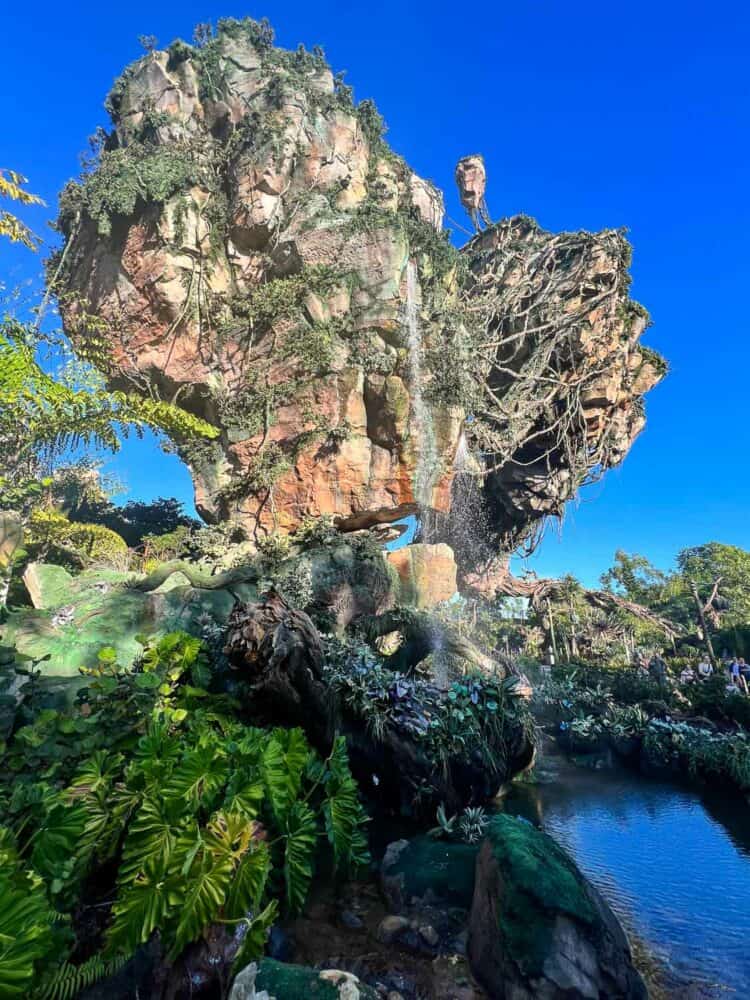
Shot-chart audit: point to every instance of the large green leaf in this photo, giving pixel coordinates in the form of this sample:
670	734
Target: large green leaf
26	931
151	839
145	904
249	882
198	776
206	888
254	942
344	816
299	849
283	763
57	838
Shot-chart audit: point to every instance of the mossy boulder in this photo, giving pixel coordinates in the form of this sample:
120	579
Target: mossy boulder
298	982
78	615
426	870
538	929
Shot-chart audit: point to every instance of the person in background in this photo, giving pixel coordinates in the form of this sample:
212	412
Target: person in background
688	675
657	669
705	670
744	673
734	672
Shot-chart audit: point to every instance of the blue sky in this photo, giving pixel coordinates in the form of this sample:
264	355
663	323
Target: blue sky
589	115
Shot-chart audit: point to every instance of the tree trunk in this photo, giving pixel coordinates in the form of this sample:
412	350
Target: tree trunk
704	627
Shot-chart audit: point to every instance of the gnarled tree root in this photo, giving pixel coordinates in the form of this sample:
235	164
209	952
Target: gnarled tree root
281	655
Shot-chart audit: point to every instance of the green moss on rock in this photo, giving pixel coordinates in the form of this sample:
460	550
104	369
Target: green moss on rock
439	867
539	881
298	982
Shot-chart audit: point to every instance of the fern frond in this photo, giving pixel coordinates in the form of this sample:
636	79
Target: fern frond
66	982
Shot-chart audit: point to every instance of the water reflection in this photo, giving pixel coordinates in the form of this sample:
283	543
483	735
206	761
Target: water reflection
673	864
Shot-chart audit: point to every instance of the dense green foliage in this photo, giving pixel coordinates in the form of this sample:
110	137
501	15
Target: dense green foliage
472	721
669	594
666	726
42	417
150	776
141	171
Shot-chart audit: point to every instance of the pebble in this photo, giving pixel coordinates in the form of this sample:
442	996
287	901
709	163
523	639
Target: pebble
429	935
350	919
390	928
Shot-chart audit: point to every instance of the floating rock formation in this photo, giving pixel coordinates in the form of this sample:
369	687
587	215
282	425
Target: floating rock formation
249	247
471	178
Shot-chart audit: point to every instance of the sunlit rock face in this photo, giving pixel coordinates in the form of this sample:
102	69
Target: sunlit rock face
261	282
249	247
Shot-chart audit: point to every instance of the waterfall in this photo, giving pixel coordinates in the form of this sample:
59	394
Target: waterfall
422	429
461	461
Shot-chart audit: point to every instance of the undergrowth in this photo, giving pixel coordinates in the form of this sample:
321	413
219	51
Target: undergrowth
150	781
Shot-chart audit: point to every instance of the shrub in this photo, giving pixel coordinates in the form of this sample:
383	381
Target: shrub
52	537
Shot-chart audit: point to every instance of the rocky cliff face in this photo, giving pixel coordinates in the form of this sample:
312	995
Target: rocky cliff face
249	247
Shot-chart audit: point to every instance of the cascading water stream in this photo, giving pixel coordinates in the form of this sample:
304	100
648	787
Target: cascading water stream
422	429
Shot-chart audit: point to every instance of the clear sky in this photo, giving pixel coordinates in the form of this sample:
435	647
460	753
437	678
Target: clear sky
589	115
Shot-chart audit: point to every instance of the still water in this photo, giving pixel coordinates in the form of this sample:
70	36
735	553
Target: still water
673	864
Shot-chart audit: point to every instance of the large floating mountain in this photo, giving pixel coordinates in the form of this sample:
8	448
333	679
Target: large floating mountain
248	246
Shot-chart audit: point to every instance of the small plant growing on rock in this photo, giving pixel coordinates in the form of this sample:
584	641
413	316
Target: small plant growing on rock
469	827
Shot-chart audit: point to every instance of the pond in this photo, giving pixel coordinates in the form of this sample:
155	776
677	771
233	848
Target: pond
673	864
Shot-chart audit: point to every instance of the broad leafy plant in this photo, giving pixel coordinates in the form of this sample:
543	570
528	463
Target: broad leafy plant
204	819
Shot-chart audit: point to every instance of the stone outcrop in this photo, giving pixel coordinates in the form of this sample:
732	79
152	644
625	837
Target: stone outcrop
297	982
250	248
538	930
426	573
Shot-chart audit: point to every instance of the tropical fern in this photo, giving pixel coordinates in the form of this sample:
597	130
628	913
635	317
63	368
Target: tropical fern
67	981
207	818
43	416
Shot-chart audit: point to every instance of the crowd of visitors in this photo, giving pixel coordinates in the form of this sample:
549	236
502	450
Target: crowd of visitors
737	672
